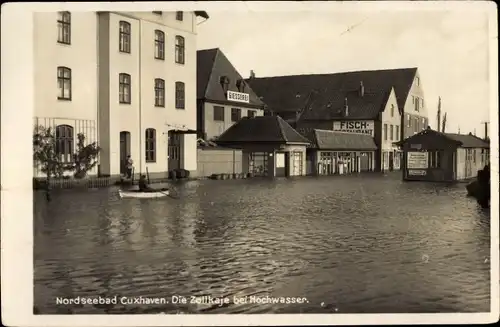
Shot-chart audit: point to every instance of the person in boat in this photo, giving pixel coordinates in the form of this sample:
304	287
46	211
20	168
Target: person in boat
129	164
143	185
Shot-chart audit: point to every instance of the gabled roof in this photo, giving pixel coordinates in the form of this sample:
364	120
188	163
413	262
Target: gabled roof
332	106
462	140
212	64
261	129
334	140
468	140
289	93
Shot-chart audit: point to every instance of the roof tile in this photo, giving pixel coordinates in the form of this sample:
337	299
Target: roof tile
212	64
292	93
261	129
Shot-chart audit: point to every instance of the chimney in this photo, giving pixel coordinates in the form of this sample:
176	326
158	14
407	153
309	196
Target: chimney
252	74
361	89
346	108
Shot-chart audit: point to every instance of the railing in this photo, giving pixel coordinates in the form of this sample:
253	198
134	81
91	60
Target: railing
67	183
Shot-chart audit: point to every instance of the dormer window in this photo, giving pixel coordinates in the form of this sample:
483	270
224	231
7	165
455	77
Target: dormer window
240	84
224	82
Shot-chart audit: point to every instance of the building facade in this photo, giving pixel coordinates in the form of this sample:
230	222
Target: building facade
125	79
333	152
223	96
270	146
374	102
415	116
65	92
443	157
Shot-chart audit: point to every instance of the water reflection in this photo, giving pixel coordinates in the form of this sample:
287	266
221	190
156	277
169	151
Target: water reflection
347	244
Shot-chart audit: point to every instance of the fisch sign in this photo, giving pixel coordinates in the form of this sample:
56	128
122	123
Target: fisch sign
354	126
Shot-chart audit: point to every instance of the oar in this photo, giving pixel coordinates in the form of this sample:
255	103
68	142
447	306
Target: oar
171	195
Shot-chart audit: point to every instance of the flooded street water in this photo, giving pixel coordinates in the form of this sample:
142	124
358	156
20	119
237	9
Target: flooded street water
347	244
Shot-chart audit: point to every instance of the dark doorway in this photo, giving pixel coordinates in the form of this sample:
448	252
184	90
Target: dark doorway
174	150
280	164
391	161
124	150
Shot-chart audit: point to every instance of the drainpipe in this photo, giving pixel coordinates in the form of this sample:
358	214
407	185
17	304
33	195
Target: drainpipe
98	17
140	98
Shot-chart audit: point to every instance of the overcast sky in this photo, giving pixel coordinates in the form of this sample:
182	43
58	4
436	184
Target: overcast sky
450	48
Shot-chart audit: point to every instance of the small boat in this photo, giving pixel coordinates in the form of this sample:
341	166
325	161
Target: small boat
144	195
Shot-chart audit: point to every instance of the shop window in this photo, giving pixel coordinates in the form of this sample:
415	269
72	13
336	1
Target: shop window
435	159
258	163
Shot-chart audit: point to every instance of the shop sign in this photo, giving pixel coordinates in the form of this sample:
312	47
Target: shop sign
417	160
354	126
238	97
413	172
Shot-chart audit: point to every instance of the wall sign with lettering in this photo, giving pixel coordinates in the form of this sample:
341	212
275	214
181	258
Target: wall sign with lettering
238	97
355	126
417	160
413	172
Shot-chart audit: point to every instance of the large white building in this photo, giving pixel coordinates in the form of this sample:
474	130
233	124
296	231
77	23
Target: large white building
126	80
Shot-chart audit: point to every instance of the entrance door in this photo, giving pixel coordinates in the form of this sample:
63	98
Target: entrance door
391	161
364	163
174	150
280	162
297	164
124	150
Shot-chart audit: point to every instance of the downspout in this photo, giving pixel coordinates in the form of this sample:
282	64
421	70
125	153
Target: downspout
140	98
98	17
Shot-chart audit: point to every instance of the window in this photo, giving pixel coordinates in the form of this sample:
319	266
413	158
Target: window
124	37
392	110
417	80
412	99
64	143
179	95
150	145
258	163
179	49
157	12
435	159
159	45
64	83
64	27
124	88
397	134
218	113
235	114
179	15
385	132
240	84
251	113
417	103
408	121
422	102
391	132
159	92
